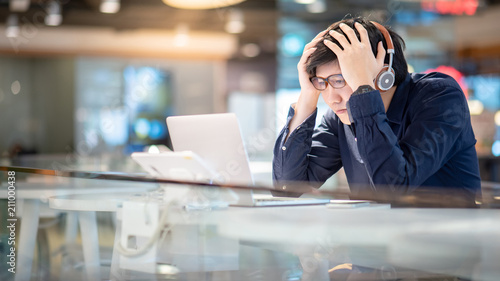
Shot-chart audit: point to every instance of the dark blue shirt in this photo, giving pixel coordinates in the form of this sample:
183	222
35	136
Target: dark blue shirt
425	139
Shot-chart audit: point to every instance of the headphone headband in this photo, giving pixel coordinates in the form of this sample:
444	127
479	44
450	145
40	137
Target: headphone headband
386	78
388	39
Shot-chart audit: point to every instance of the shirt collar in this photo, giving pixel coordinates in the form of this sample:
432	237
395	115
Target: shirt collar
398	102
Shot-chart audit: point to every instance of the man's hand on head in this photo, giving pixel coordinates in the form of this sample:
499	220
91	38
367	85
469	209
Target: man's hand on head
357	62
305	84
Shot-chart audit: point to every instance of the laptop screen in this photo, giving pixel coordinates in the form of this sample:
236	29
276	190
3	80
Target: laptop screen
216	138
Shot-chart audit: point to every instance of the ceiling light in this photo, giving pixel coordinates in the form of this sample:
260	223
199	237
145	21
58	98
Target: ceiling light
53	17
12	29
235	27
201	4
235	23
109	6
476	107
181	35
305	1
19	5
250	50
497	118
15	87
317	7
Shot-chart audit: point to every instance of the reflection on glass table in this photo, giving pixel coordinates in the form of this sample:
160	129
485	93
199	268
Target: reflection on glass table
29	195
182	230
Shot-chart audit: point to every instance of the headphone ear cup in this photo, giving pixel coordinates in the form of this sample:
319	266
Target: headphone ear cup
385	79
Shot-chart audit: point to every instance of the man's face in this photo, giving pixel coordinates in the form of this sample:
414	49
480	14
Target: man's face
336	99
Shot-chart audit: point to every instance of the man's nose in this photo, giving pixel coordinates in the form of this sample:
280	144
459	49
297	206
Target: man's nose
332	96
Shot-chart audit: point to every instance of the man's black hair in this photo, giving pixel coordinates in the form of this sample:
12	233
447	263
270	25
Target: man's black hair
324	55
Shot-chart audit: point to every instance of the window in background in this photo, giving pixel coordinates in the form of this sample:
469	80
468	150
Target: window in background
120	108
148	97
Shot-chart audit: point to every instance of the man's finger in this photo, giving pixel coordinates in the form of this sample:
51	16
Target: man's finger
313	43
340	38
320	35
363	34
334	47
305	57
350	33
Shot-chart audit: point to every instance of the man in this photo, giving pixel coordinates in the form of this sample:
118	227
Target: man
390	130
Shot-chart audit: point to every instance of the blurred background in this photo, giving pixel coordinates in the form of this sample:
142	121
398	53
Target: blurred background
97	78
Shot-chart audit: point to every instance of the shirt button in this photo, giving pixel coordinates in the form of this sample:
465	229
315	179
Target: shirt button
283	148
284	187
356	139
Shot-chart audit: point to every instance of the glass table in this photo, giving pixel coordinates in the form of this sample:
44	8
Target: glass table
166	229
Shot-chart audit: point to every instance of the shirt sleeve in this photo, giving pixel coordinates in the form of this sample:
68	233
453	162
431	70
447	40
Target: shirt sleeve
308	155
436	124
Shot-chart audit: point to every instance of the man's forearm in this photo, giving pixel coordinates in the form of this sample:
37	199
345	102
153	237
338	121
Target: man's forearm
305	106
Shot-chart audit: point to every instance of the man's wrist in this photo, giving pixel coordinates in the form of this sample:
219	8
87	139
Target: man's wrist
363	89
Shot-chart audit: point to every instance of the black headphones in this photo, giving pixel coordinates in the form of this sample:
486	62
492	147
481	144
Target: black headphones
386	77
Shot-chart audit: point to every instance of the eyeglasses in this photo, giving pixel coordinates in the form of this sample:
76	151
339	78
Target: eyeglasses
335	80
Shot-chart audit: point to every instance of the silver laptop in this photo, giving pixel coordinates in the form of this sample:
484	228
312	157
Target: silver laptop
183	165
216	138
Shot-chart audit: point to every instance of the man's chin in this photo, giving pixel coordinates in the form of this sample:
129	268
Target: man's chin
345	120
